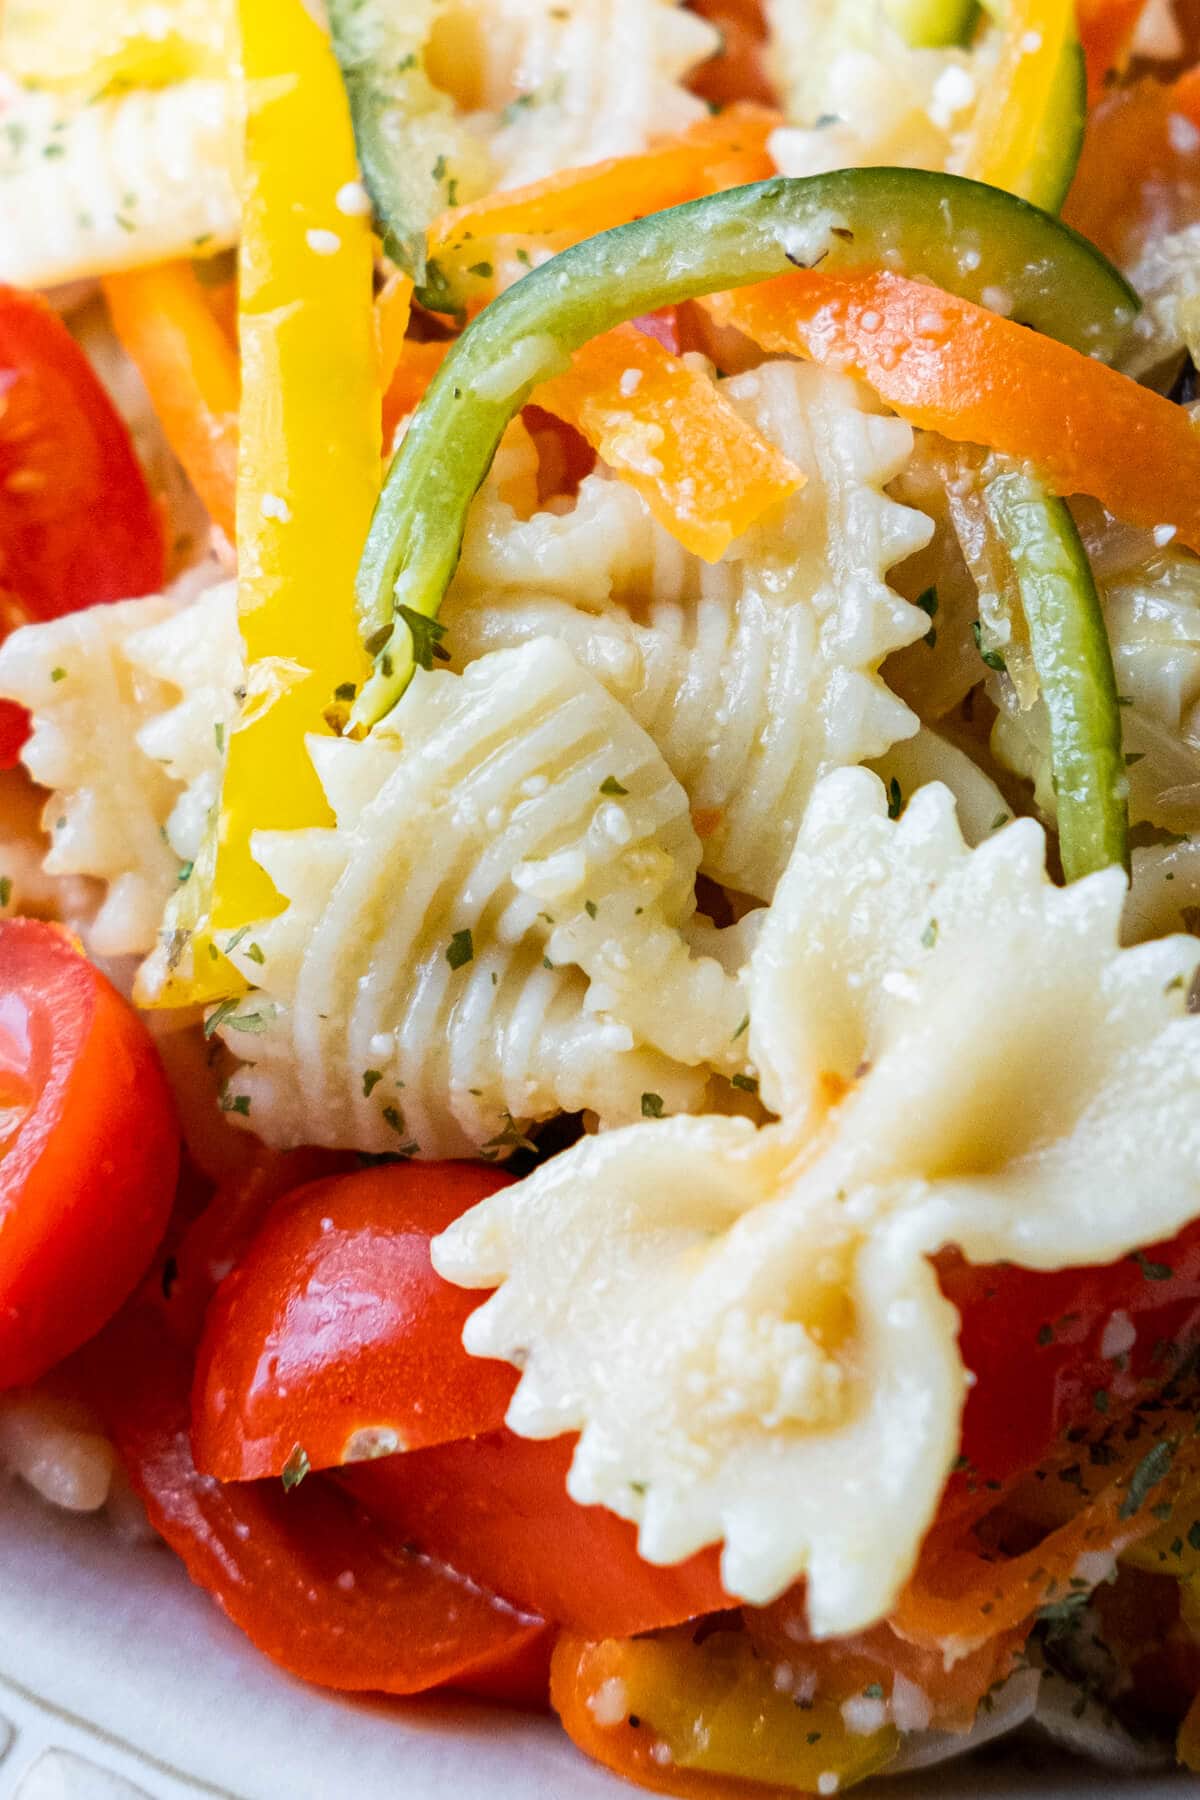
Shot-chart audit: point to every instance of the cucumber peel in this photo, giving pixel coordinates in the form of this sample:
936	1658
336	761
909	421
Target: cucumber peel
959	234
415	155
1071	653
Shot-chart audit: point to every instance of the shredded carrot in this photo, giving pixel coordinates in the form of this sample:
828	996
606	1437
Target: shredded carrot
163	318
661	426
952	367
416	368
961	1595
724	151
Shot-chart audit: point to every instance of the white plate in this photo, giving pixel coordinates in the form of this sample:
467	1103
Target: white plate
120	1681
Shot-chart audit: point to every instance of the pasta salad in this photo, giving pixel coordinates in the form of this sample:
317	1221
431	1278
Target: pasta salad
600	853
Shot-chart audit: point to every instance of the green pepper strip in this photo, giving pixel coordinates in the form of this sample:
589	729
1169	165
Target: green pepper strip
959	234
1073	659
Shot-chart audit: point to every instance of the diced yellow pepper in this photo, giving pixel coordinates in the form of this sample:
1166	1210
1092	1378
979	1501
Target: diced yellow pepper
717	1708
1174	1547
91	45
1007	136
308	466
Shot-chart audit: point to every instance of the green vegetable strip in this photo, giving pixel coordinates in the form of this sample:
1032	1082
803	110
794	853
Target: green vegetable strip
1074	664
416	156
960	234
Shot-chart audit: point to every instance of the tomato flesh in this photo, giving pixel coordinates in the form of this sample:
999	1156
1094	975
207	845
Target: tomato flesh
497	1507
1060	1352
78	523
317	1585
335	1333
89	1150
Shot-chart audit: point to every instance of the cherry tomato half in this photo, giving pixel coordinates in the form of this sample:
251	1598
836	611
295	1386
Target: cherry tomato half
77	521
1060	1352
497	1507
78	524
317	1585
335	1333
89	1149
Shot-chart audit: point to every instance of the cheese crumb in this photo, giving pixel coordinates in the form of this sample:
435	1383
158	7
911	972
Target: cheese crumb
353	200
1120	1335
610	1702
271	506
321	242
828	1783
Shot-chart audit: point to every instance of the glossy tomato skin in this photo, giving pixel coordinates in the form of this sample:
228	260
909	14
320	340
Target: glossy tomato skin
323	1590
497	1507
78	524
1067	1351
335	1333
89	1150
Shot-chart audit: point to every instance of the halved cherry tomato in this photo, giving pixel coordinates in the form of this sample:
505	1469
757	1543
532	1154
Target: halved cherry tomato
316	1584
77	521
89	1149
211	1243
1052	1353
497	1507
335	1333
78	524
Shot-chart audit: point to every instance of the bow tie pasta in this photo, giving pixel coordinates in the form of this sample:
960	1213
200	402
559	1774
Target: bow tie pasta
743	1325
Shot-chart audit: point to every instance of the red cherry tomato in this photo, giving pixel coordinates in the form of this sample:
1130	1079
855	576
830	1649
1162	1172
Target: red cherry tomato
1052	1353
14	730
78	524
498	1508
317	1585
89	1149
334	1327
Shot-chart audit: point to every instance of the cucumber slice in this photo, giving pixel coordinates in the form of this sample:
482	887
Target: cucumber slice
416	156
1073	659
961	235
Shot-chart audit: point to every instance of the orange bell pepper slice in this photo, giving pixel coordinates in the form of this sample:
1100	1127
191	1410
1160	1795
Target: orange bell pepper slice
415	368
725	151
164	320
704	473
952	367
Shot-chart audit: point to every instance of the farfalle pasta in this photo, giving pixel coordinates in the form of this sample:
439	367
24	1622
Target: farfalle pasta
599	922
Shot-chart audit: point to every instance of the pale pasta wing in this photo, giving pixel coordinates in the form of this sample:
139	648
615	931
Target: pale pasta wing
556	86
744	1327
755	675
465	949
126	703
856	93
118	181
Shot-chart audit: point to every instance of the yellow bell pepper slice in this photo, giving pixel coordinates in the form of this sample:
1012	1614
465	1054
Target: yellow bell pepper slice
1029	86
715	1708
1174	1547
89	46
308	470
